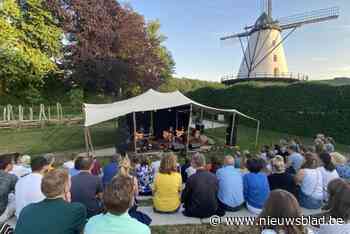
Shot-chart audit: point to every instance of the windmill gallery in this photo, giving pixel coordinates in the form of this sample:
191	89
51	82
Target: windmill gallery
263	53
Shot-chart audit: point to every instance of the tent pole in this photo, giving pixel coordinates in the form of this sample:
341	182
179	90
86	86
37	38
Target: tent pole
86	141
202	114
177	124
232	127
134	121
257	134
188	130
151	126
90	141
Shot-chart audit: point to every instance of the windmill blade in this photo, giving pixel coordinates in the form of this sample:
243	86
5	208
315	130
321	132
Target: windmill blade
309	18
244	34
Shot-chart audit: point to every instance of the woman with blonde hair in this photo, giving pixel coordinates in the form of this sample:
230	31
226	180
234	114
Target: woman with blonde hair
341	165
280	206
167	186
280	179
125	170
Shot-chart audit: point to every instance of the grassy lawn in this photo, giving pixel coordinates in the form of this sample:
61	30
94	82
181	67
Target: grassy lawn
60	138
54	138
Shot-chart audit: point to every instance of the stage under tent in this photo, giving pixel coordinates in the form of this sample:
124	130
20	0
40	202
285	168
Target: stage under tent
166	117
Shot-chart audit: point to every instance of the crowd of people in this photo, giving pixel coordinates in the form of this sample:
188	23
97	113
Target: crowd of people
81	196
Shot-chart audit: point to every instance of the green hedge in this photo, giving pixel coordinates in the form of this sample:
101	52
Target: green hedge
303	109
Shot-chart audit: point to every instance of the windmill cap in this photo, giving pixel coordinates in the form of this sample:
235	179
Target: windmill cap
265	22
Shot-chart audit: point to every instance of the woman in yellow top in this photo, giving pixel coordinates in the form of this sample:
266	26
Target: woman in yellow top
167	186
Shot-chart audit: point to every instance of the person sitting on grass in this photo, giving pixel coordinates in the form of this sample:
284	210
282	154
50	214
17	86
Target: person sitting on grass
338	208
230	194
87	188
200	194
145	177
111	169
124	170
281	205
76	169
118	198
280	179
295	159
22	166
214	164
7	188
55	214
255	186
28	188
167	186
311	184
341	165
328	172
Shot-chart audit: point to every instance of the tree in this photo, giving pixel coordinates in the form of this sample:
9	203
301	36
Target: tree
29	44
109	47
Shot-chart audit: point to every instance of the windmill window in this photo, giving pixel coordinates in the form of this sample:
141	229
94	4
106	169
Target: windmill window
273	42
276	71
275	57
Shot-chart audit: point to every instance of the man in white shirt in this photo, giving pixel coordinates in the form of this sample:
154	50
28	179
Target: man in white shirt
28	188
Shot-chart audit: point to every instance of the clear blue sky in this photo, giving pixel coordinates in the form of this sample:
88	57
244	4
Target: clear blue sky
193	28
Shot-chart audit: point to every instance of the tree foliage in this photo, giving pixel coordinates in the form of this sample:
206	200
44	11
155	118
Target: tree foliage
110	47
30	41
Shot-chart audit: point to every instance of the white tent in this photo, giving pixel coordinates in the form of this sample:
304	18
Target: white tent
148	101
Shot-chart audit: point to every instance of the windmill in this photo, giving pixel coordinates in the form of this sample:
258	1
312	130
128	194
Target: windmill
263	52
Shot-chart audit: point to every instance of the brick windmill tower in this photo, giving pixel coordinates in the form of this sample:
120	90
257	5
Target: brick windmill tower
262	44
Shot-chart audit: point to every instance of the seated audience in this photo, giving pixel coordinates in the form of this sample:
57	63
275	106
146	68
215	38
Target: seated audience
87	188
184	167
111	169
7	188
145	177
124	170
50	157
230	194
155	166
76	169
280	179
118	198
341	165
200	194
22	166
167	186
28	188
328	172
214	164
55	214
69	164
281	205
255	186
295	159
311	184
329	145
338	208
96	169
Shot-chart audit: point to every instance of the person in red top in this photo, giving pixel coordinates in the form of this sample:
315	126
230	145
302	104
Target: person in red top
96	167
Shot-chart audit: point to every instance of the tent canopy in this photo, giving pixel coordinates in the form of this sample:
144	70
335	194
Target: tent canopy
148	101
